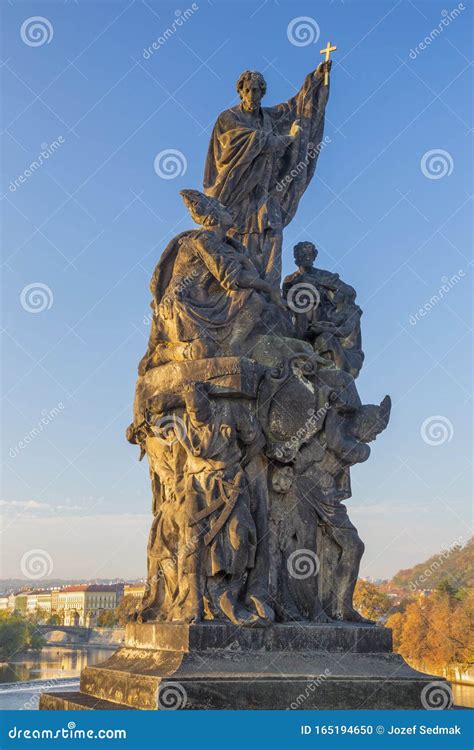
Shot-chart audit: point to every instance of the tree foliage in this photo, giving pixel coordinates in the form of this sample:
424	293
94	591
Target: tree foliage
17	634
434	633
371	602
126	609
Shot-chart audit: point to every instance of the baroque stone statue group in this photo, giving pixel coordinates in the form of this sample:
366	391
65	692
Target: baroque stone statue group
247	409
246	403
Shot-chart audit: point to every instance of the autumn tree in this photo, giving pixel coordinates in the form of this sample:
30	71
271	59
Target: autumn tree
371	602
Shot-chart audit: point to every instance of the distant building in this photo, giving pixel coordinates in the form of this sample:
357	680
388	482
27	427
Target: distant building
31	602
54	600
38	602
20	602
82	604
4	601
137	590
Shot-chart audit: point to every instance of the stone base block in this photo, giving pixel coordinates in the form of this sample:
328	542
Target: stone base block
212	666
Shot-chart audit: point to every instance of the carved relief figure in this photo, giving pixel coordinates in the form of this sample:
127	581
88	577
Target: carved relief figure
206	291
324	310
220	439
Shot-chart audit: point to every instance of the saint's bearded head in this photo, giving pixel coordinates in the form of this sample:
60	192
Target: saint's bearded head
251	87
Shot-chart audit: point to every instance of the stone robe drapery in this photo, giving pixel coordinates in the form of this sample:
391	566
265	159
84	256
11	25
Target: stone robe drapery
262	185
197	298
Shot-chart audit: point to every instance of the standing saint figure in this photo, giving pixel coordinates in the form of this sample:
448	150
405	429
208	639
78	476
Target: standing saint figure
261	160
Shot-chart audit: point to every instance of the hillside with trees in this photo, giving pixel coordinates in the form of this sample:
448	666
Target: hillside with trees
429	609
453	565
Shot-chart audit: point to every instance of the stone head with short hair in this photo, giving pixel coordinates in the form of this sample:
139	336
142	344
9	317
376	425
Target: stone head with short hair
305	253
251	88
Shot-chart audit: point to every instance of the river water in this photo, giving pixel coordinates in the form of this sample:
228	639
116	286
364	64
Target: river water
58	668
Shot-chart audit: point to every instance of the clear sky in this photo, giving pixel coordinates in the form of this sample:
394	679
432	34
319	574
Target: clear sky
390	209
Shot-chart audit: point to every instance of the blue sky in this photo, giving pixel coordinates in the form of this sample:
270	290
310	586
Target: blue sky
90	223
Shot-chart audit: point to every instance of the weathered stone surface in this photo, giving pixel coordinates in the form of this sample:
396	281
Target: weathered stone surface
235	376
210	636
254	150
247	409
285	666
75	701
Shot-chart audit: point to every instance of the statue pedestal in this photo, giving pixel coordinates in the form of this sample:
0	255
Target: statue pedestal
221	666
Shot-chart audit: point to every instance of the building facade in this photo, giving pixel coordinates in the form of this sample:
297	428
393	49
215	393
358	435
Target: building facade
82	604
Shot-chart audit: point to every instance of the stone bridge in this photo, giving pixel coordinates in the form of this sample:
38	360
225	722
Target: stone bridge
74	633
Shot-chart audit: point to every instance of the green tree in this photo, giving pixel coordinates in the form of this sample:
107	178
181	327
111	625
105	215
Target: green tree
107	618
17	634
126	608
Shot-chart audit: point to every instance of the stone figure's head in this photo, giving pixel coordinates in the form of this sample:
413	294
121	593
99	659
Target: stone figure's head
370	420
282	479
197	401
251	88
305	253
206	210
